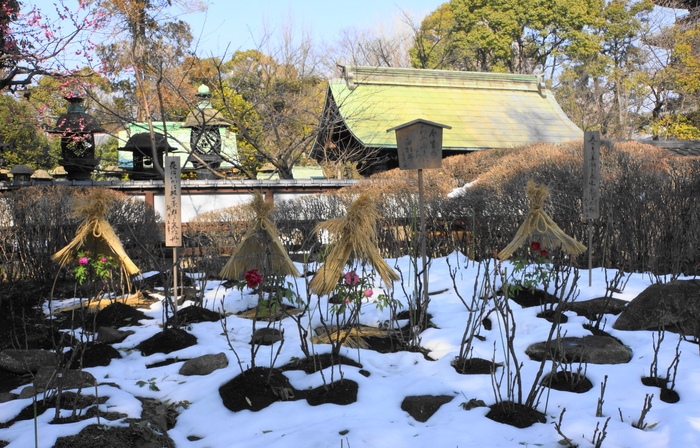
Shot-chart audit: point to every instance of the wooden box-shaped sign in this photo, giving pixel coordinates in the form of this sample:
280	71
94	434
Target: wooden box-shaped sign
419	144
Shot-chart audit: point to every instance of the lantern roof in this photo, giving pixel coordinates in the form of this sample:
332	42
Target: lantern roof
204	115
76	120
141	142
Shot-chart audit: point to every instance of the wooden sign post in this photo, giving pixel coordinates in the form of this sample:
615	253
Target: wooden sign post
173	214
591	187
419	146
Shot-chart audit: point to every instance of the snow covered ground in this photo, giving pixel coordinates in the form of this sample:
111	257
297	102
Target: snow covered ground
376	419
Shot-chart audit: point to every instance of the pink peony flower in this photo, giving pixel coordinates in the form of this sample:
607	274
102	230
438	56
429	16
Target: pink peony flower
368	293
83	260
351	278
103	259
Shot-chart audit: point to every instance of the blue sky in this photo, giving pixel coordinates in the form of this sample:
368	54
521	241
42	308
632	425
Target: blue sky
234	22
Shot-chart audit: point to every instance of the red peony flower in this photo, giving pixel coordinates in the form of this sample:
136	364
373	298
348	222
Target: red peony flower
253	278
535	246
544	252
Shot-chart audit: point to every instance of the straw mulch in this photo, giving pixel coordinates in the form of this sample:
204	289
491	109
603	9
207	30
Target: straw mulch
261	247
355	239
95	234
351	337
538	226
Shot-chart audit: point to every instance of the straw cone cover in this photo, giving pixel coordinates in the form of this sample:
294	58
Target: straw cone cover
261	247
355	238
95	233
538	226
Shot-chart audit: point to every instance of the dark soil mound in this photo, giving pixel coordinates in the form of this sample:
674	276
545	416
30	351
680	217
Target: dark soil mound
256	389
340	392
22	321
474	366
118	315
100	436
528	298
567	382
10	381
318	362
553	316
95	354
167	341
515	414
195	314
653	381
69	401
157	282
666	395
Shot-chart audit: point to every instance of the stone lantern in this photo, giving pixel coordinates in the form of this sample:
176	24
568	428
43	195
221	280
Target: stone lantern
77	130
205	123
144	167
21	173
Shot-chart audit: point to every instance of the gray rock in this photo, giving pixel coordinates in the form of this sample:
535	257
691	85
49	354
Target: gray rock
26	361
6	396
674	306
49	378
588	349
110	335
204	365
267	336
595	307
422	407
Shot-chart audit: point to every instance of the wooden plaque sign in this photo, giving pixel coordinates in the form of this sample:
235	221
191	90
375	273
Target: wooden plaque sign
173	209
419	144
591	175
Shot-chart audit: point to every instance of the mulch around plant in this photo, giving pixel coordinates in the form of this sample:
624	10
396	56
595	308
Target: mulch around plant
665	394
256	389
94	355
474	366
119	315
567	382
167	341
196	314
318	362
263	314
515	414
528	298
341	392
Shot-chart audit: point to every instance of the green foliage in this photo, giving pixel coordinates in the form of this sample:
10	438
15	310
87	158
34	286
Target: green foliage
97	268
275	106
605	89
512	36
151	385
529	272
24	142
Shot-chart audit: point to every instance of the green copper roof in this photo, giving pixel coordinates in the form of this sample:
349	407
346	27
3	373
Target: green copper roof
485	110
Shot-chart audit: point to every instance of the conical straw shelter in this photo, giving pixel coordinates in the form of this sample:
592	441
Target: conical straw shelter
95	234
355	237
261	247
538	226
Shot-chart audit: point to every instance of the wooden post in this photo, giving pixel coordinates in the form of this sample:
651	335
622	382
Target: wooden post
419	146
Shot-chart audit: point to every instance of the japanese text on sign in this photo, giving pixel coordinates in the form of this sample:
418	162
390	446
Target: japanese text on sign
173	217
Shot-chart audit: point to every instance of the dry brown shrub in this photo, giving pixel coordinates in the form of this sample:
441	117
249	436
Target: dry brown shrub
36	223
